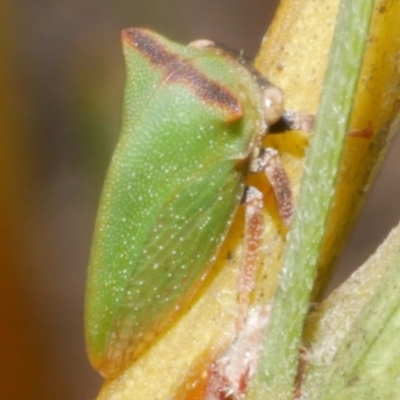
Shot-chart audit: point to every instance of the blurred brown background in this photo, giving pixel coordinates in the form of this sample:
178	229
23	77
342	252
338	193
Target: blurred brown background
61	80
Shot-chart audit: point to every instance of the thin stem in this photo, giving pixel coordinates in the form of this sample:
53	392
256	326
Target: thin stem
279	359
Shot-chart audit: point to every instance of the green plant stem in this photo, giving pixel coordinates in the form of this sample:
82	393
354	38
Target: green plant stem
278	364
368	354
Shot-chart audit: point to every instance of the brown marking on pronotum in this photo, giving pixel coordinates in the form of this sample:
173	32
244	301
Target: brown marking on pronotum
181	70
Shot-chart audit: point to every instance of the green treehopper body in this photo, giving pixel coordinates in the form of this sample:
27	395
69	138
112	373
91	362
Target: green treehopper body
193	120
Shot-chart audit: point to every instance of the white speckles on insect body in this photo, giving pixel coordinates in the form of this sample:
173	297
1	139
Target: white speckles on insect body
191	117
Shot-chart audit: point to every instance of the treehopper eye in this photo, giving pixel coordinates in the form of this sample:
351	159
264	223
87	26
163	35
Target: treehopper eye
194	119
